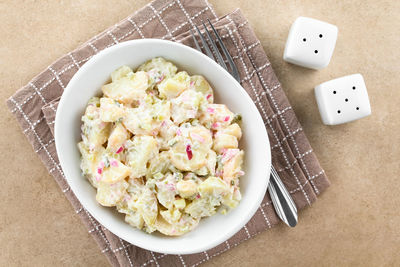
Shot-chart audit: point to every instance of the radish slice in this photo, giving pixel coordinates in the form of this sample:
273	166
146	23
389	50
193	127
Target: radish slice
120	150
189	152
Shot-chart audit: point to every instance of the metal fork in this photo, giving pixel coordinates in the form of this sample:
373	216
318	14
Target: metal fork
281	199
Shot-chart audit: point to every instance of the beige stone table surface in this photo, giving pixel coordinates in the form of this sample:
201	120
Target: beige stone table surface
356	222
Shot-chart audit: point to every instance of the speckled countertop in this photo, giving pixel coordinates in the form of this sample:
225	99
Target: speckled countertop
355	222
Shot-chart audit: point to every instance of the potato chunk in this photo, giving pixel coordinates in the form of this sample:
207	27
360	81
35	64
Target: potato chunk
110	110
110	195
127	88
140	151
186	188
172	87
117	138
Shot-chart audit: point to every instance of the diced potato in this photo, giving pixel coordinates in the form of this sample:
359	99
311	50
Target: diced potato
137	122
167	133
110	110
99	133
166	191
135	188
232	166
182	77
121	72
147	207
95	131
147	120
201	207
171	215
127	205
168	130
180	203
117	138
172	87
109	195
201	85
186	106
159	164
191	156
140	151
213	186
94	102
135	219
203	171
224	141
159	64
92	109
233	129
89	162
201	136
161	111
116	172
185	224
180	158
211	161
230	201
186	188
128	88
219	116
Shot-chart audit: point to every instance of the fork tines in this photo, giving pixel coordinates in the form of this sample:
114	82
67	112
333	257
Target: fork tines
214	47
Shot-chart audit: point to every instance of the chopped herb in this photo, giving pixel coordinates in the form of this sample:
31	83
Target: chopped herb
195	122
158	176
106	162
237	119
178	175
172	142
173	169
150	185
232	182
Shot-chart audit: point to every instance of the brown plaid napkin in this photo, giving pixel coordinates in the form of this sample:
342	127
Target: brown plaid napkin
35	106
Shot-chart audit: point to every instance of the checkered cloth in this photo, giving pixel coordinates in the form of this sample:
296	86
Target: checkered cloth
35	107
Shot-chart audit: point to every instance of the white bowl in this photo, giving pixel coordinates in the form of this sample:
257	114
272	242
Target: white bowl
87	82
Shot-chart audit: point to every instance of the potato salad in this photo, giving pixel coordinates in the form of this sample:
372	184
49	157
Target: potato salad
157	147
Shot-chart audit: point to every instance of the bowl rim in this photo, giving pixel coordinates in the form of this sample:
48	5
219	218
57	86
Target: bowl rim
57	135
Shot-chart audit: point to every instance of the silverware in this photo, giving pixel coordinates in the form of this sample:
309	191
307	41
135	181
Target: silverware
281	199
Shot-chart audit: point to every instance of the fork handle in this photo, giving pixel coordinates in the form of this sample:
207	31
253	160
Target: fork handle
281	199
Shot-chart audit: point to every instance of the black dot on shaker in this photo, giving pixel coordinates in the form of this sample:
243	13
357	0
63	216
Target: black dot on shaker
338	111
354	88
320	36
316	51
304	39
357	108
346	100
334	92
